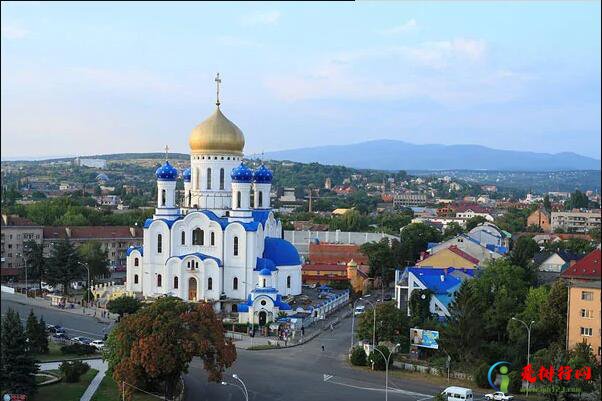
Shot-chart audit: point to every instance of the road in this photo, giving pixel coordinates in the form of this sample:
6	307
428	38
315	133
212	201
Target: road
75	325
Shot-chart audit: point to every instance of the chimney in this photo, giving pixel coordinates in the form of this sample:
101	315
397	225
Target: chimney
68	231
133	231
5	219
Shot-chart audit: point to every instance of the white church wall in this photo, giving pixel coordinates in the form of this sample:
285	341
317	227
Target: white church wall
231	231
230	273
133	270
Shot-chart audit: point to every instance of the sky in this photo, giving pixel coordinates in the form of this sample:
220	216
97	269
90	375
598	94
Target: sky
93	78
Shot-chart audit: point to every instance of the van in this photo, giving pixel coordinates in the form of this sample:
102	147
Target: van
458	394
359	310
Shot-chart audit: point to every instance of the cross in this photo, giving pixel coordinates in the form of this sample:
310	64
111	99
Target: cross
217	82
166	150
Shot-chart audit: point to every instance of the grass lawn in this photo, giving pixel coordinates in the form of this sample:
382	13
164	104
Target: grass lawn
108	391
65	391
55	354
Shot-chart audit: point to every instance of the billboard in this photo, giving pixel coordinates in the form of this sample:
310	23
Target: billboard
424	338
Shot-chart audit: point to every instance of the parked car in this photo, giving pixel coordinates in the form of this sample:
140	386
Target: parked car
82	340
60	336
359	310
53	329
457	394
48	287
98	344
498	396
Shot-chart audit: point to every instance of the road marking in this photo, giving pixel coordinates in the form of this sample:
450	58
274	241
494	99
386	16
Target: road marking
327	377
394	390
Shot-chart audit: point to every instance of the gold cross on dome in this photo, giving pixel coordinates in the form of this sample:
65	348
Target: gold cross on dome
217	82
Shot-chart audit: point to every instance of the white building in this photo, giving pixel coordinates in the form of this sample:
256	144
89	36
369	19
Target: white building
223	244
576	220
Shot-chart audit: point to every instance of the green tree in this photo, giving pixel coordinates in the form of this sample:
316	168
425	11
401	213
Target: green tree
547	205
35	261
124	305
153	347
377	359
32	328
451	230
578	200
358	356
572	245
42	339
420	309
414	239
392	324
523	251
595	234
380	257
95	257
391	223
64	265
17	366
474	221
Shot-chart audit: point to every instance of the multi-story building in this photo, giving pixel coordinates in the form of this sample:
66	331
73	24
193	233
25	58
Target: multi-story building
114	239
576	220
541	219
409	199
583	320
16	231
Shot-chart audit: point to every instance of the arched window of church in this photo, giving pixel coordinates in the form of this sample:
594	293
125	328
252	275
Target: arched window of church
209	178
264	283
221	178
188	264
135	279
159	243
288	282
183	237
212	238
198	237
197	178
189	198
209	283
136	262
159	280
235	283
162	197
235	246
175	282
238	199
196	264
260	200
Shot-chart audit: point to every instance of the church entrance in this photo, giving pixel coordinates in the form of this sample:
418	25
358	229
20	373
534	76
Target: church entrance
263	316
192	289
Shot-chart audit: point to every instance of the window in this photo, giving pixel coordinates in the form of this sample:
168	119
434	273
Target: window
159	280
587	296
263	283
288	282
209	283
198	237
238	199
208	178
221	177
159	243
235	283
235	246
183	237
135	279
586	331
260	199
189	197
162	197
197	179
212	238
136	262
175	282
587	313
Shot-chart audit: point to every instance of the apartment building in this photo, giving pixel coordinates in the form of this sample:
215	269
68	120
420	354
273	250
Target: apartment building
583	320
576	220
16	231
409	199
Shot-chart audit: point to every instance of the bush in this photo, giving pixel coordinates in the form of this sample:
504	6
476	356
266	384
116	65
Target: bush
72	370
78	349
480	375
358	356
515	382
377	358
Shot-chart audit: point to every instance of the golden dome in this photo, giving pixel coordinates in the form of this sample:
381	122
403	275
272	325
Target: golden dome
217	134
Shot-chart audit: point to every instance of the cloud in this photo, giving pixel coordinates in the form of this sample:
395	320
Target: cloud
14	31
409	25
261	18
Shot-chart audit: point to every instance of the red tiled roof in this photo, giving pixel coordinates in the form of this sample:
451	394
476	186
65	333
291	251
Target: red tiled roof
11	220
336	253
463	207
91	232
587	267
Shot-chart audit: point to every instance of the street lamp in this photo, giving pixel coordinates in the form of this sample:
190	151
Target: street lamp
528	327
88	283
243	388
387	359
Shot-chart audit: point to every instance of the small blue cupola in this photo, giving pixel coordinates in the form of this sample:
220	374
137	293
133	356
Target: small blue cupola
242	173
186	174
166	172
262	175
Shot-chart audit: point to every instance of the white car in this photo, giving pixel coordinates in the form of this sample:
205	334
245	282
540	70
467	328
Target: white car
498	396
98	344
359	310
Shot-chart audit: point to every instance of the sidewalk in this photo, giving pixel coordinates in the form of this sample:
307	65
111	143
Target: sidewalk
77	309
97	364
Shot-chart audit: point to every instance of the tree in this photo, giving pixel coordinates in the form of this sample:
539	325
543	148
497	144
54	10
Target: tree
124	305
547	205
95	257
380	258
64	265
572	245
523	251
414	239
420	308
595	234
578	200
153	347
17	366
474	221
32	333
358	356
72	370
377	359
35	261
42	340
451	230
392	324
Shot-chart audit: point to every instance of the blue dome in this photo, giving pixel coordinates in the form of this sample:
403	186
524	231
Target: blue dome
166	172
281	252
186	174
242	174
262	175
265	272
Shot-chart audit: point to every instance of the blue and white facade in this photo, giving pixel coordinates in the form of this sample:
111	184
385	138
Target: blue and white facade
220	243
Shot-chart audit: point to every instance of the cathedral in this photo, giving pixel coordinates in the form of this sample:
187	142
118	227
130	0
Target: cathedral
221	243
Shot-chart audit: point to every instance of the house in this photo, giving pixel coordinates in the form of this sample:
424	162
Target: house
469	210
587	268
468	245
318	274
583	314
488	234
325	253
550	264
443	283
16	232
540	218
449	257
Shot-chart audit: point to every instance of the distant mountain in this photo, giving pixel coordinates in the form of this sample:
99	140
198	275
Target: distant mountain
398	155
